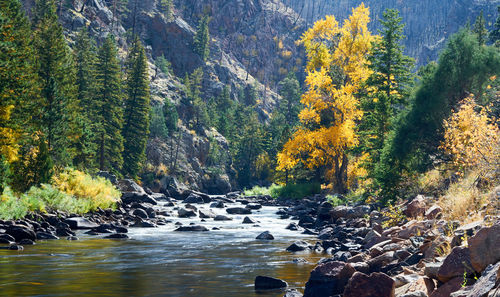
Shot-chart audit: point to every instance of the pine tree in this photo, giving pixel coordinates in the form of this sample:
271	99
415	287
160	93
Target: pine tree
58	106
109	110
480	29
18	80
202	39
388	86
495	33
137	110
166	7
171	116
85	60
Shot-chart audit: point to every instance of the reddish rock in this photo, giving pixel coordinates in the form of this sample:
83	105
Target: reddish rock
375	285
446	289
434	212
456	264
378	262
484	284
485	247
416	207
328	279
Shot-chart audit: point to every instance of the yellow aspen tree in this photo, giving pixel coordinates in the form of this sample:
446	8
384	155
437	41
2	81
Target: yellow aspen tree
336	69
472	139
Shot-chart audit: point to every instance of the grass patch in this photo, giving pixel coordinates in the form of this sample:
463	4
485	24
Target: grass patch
71	191
463	201
336	200
294	191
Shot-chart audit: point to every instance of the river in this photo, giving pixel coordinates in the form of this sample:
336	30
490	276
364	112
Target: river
161	262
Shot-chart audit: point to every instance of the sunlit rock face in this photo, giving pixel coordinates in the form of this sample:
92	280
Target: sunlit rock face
428	22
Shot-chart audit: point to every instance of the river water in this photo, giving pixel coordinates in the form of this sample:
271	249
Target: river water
160	262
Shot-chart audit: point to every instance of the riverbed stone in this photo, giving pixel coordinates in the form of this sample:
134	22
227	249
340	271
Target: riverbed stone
80	223
238	210
206	214
269	283
484	284
222	218
328	279
192	228
217	204
20	232
186	213
117	236
141	213
248	220
298	246
292	293
8	237
254	206
266	235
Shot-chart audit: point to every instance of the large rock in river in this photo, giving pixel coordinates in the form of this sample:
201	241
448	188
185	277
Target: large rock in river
328	279
269	283
193	228
80	223
238	210
20	232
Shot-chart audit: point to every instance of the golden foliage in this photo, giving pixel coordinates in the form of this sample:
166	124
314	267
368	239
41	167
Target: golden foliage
336	68
472	139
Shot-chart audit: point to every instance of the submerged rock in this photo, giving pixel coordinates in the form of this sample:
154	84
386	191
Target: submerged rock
194	228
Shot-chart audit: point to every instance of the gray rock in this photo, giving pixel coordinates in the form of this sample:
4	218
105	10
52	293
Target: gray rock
192	228
298	246
80	223
185	213
238	210
265	236
248	220
206	214
222	218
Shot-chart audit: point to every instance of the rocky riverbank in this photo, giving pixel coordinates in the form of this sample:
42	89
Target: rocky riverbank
423	255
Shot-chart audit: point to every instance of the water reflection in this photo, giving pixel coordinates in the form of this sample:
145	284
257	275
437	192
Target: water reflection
158	262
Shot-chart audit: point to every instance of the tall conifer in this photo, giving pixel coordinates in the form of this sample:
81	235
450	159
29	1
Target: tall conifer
137	110
109	108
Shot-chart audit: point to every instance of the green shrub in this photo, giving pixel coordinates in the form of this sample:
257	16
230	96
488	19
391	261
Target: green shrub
296	191
335	200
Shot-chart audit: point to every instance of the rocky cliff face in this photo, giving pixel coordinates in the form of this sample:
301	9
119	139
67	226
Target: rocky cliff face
428	22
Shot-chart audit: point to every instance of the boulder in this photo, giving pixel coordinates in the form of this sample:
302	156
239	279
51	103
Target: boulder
141	213
254	206
456	264
117	236
217	204
128	185
7	237
483	285
416	207
449	287
485	247
238	210
434	212
137	197
376	284
248	220
222	218
186	213
20	232
108	176
194	198
192	228
298	246
269	283
265	236
328	279
80	223
206	214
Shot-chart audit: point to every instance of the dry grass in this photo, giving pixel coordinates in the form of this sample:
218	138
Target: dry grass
465	202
